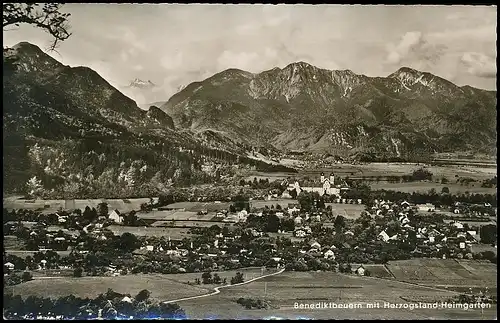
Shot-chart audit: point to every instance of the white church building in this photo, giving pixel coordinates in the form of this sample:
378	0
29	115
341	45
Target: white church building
326	186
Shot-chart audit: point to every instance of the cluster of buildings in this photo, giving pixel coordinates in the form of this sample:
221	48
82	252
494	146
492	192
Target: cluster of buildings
443	239
325	186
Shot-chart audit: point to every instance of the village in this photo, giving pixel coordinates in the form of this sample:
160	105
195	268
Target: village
305	234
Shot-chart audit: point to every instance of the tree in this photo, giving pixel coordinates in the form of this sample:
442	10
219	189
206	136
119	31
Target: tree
445	190
130	218
78	272
216	279
339	222
273	223
142	295
26	276
46	16
34	185
488	233
102	209
237	279
306	201
207	277
421	174
128	242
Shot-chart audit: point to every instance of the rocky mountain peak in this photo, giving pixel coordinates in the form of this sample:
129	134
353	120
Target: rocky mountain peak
138	83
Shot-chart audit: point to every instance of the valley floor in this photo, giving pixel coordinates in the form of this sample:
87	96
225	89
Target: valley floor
285	291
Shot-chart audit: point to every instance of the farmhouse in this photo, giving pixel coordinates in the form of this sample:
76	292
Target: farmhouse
9	266
116	216
329	254
358	269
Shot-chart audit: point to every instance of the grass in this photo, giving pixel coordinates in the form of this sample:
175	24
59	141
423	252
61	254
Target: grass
260	204
160	286
173	233
481	247
175	215
13	243
248	273
200	206
444	271
54	205
352	211
424	187
398	169
286	289
25	253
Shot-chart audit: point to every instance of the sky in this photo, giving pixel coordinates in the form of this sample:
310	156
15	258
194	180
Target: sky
174	45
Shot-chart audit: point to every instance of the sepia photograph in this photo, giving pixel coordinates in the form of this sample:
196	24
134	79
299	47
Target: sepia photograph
249	161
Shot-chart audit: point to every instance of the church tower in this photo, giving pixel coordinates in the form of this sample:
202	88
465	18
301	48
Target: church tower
322	178
332	180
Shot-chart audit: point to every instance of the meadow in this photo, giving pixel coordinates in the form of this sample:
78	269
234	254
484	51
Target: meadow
290	288
248	273
200	206
445	272
122	205
173	233
160	286
424	187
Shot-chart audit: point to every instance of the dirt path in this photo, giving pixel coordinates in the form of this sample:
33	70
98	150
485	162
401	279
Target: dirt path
217	289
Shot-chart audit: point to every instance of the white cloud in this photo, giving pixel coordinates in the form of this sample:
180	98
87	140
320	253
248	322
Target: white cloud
172	62
406	45
480	65
241	60
124	56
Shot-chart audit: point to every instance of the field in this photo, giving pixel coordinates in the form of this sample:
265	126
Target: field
260	204
283	291
122	205
175	215
379	271
24	253
426	186
13	243
481	247
350	211
248	273
173	233
200	206
398	169
445	272
160	286
287	289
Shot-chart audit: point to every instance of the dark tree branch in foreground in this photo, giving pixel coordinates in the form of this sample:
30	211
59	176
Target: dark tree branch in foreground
41	15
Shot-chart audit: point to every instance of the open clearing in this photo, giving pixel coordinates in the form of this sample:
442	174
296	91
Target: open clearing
446	272
288	288
248	273
398	169
26	253
175	215
200	206
173	233
260	204
424	187
160	286
350	211
122	205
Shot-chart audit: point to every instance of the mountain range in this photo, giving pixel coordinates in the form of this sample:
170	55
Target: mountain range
72	129
81	136
302	107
